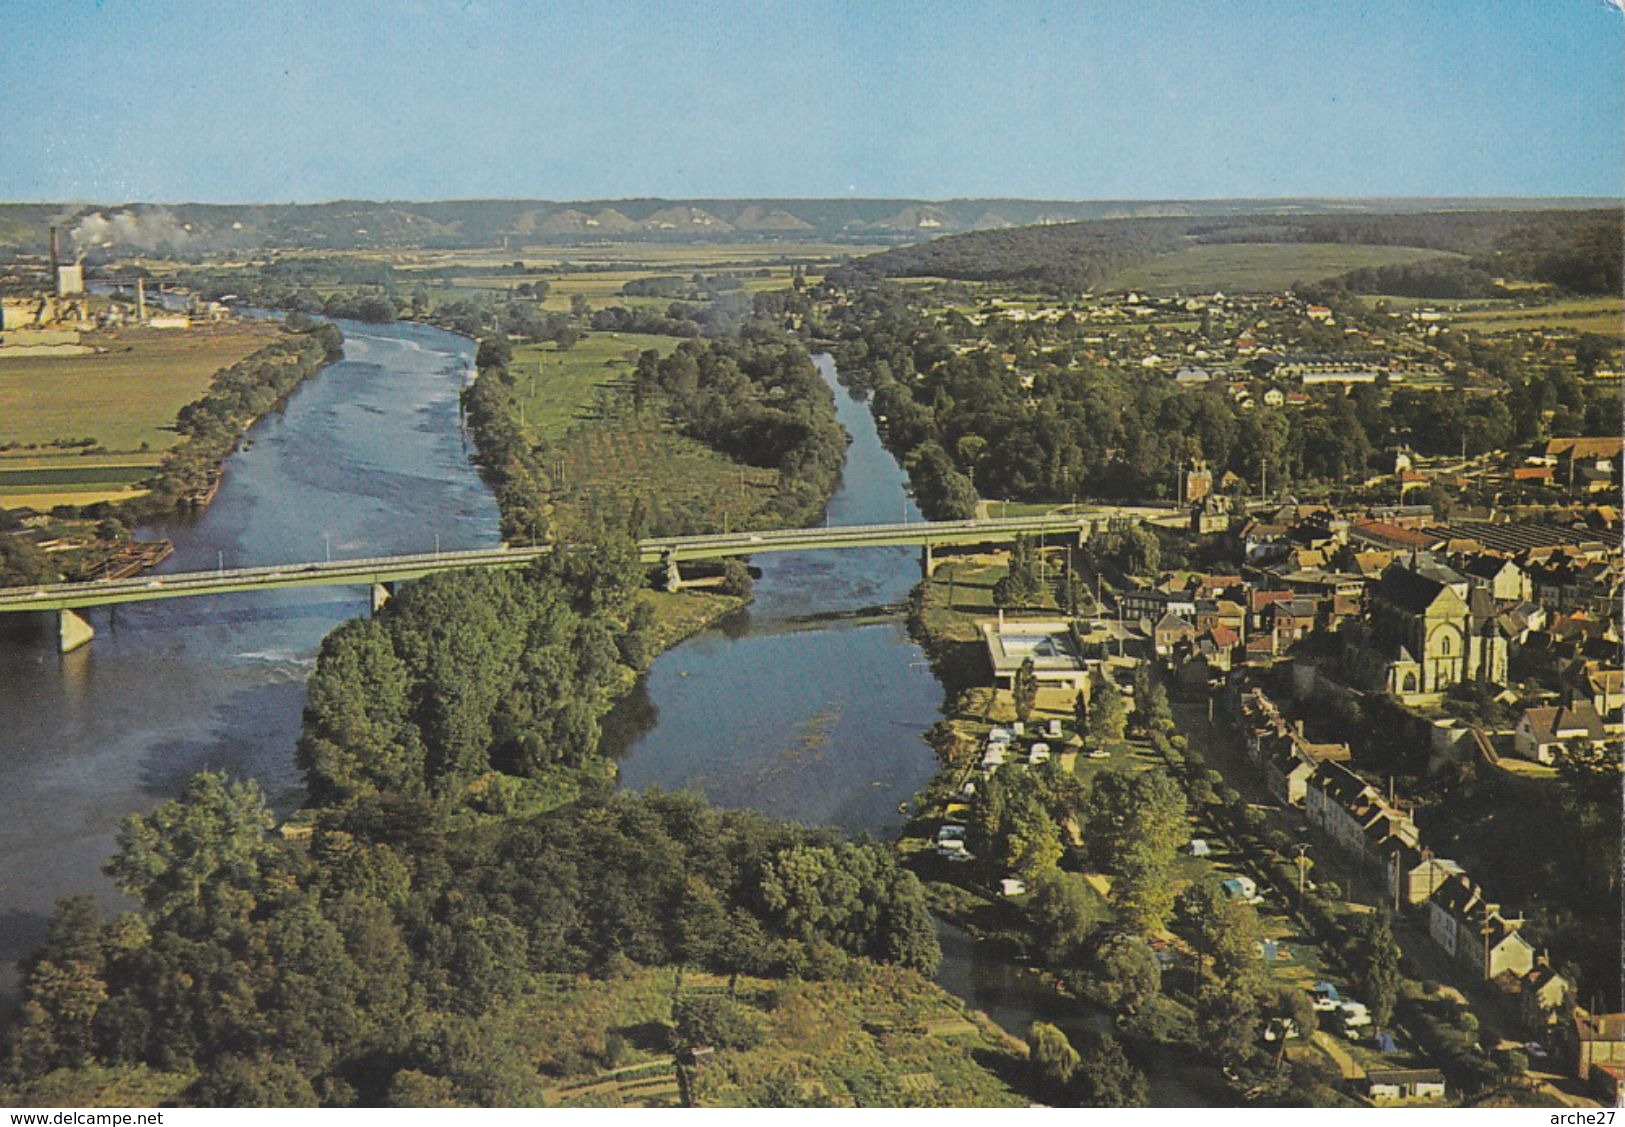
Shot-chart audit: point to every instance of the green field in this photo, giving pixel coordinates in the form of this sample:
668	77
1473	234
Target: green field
615	264
684	486
1258	267
559	388
123	397
1587	315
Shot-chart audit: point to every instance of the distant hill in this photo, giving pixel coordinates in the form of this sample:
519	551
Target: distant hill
185	229
1573	248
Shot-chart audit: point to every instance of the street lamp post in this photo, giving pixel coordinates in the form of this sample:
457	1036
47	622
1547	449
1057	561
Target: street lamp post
1302	848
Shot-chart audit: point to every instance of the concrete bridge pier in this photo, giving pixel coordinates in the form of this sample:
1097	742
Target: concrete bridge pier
928	562
381	593
72	631
674	575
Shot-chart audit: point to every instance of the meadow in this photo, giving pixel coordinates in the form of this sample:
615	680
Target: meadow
559	388
1584	315
682	485
1258	267
123	400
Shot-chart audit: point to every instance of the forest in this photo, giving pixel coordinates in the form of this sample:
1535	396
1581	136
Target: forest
461	849
381	961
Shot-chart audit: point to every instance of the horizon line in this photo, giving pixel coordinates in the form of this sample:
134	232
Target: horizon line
180	202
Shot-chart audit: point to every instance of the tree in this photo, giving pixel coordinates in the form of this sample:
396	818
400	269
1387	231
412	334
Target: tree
1080	711
201	852
1126	971
259	1081
1019	585
63	991
1134	823
1225	930
1108	716
494	352
1024	688
1380	976
1032	840
718	1022
1051	1063
1227	1021
1105	1078
736	578
1062	909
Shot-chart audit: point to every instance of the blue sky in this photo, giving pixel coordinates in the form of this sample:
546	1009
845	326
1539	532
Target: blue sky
180	100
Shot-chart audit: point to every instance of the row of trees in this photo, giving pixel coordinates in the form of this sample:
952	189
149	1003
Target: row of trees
236	397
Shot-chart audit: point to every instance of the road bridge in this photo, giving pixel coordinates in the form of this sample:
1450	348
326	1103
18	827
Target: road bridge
383	572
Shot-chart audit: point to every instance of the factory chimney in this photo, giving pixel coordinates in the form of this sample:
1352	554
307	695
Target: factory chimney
140	300
65	279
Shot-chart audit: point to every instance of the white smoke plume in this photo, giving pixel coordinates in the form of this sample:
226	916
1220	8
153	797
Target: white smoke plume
153	230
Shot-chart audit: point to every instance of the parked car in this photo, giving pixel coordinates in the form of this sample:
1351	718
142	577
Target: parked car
1353	1018
1280	1029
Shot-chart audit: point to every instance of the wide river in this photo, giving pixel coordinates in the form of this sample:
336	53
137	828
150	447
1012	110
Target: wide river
780	707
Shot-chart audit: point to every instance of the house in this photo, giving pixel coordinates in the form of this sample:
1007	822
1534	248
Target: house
1152	603
1448	906
1506	950
1544	994
1605	689
1213	612
1543	732
1467	927
1599	1042
1288	774
1418	874
1290	760
1405	1084
1170	630
1292	619
1348	810
1501	577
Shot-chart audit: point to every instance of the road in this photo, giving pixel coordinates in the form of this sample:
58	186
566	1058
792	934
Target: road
668	550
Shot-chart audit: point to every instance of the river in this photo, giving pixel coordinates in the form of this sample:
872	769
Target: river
365	459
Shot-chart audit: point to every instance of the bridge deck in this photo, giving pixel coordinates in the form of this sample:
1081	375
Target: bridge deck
394	569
